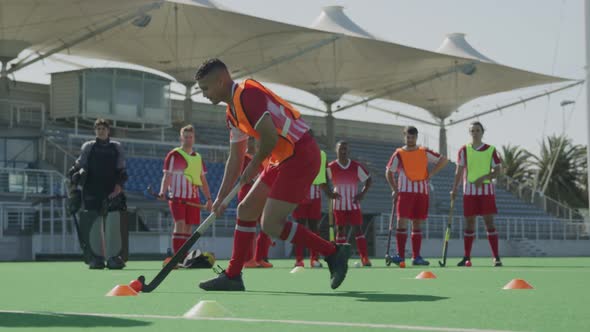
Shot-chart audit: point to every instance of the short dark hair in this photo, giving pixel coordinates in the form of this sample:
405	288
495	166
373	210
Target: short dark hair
209	66
102	122
477	123
340	142
411	130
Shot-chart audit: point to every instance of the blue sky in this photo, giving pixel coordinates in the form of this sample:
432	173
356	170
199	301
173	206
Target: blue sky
545	36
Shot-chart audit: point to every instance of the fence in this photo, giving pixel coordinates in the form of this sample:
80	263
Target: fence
507	228
22	183
154	149
528	194
22	113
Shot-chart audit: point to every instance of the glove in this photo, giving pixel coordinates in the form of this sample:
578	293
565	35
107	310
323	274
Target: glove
74	202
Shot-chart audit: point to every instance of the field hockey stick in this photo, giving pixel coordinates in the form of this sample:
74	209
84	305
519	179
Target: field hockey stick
153	194
181	253
391	221
331	219
443	263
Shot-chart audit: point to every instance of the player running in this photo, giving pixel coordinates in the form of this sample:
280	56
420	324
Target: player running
294	161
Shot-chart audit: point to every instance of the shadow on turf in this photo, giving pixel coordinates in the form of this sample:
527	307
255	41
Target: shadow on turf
64	320
365	296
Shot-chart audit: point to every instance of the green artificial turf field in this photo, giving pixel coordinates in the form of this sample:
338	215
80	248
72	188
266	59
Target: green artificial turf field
67	296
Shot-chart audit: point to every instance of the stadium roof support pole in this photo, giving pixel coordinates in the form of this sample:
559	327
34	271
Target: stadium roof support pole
442	139
283	58
587	21
330	132
315	109
188	101
118	21
499	108
406	86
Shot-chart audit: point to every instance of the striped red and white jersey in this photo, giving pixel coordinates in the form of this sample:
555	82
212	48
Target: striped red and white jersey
256	104
315	192
180	186
470	188
345	179
404	184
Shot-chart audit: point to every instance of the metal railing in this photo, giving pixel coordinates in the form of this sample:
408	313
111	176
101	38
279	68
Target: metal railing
507	227
22	183
56	155
23	113
155	149
527	193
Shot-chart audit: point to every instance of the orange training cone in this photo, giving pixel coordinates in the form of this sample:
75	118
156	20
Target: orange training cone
518	284
122	290
426	275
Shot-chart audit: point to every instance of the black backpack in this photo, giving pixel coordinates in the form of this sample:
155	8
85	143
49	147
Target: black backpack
197	260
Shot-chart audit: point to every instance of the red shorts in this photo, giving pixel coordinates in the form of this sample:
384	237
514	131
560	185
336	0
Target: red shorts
475	205
310	209
350	217
291	179
190	214
413	206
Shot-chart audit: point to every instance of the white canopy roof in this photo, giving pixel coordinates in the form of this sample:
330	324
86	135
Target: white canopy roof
333	19
455	44
175	36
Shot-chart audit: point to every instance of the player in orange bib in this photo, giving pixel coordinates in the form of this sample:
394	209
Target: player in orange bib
411	189
294	160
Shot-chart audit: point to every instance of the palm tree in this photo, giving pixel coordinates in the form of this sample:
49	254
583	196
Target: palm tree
561	166
515	162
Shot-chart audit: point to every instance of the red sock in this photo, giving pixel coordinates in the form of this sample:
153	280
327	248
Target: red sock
361	245
299	252
251	250
263	243
314	254
468	237
178	239
300	235
416	243
493	239
243	237
401	236
340	238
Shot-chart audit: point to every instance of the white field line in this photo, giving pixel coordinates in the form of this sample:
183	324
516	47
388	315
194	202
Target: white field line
275	321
